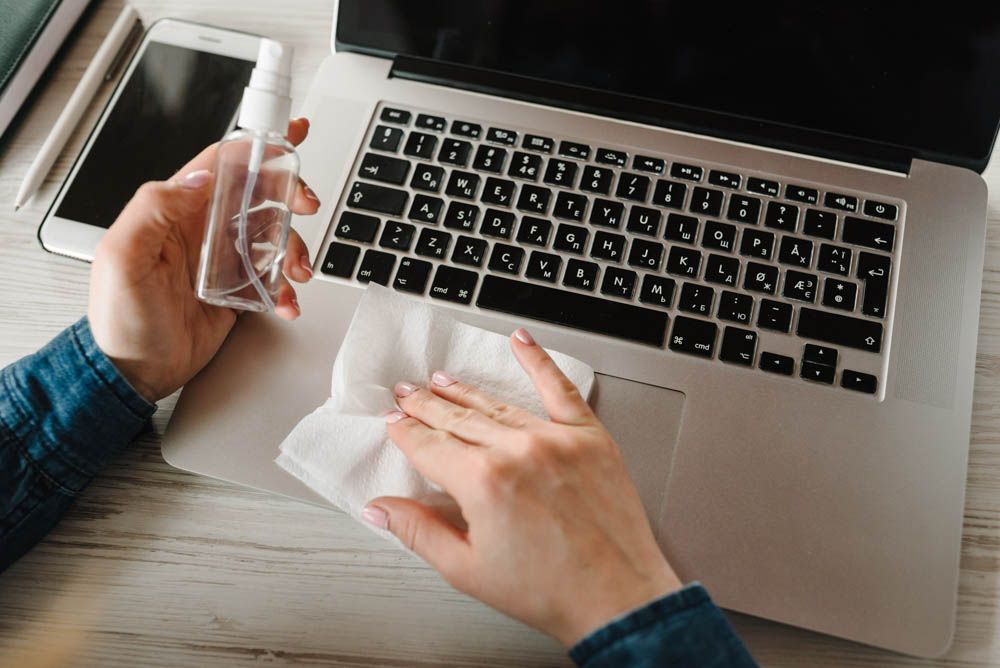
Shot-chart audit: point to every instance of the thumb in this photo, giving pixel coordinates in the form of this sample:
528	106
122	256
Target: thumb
422	531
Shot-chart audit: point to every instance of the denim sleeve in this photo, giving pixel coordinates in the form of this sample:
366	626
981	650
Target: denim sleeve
680	630
64	412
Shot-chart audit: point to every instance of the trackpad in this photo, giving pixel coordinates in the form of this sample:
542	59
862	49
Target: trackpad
644	420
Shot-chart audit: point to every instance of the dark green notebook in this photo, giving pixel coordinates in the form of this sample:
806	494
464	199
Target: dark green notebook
23	21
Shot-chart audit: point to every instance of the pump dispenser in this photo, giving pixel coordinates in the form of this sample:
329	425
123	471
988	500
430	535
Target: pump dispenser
256	173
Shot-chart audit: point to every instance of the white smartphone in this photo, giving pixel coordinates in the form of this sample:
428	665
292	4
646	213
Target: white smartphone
181	92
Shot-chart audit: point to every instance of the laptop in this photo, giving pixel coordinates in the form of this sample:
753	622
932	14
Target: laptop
763	227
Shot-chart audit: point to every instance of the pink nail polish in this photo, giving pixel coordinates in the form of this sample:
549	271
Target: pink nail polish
404	389
304	263
196	180
310	194
393	417
375	516
521	334
443	379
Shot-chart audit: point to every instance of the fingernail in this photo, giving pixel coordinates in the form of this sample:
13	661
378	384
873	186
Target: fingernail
305	264
295	303
375	516
443	379
310	194
521	334
301	119
196	179
393	417
404	389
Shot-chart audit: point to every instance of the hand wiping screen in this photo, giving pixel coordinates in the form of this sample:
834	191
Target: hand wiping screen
256	173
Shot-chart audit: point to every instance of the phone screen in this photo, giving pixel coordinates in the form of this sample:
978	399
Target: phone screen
176	102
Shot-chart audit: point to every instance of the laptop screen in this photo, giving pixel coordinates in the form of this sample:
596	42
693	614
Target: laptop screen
915	75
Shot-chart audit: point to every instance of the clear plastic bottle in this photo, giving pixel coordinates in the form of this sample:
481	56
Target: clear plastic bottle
256	173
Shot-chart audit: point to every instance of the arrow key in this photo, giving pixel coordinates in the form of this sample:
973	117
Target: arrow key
818	372
879	236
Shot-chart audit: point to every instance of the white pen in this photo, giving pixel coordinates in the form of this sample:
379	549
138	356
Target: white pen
92	78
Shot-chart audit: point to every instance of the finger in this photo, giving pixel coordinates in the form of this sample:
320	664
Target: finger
437	413
305	202
446	386
424	532
559	395
296	265
437	455
286	304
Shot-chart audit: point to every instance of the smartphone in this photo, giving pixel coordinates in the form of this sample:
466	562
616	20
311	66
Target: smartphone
180	92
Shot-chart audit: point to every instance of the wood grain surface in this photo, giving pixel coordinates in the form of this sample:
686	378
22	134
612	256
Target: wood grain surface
155	567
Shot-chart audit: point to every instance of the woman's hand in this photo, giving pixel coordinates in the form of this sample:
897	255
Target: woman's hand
556	534
143	311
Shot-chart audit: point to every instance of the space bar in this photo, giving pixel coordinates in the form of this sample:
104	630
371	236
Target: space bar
572	309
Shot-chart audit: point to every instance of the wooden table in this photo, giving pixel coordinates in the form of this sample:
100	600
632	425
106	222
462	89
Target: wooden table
155	567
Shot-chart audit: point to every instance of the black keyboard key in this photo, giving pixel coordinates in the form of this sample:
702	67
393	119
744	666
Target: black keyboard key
801	194
688	172
507	259
608	246
569	206
859	382
376	267
800	286
724	179
719	236
722	270
571	239
880	210
498	191
371	197
796	252
464	129
738	346
454	285
461	216
781	216
501	136
390	115
841	330
433	243
834	259
879	236
774	363
695	337
571	149
842	202
874	271
763	186
684	262
634	187
428	122
735	307
761	278
427	177
543	266
644	163
774	315
820	224
838	293
596	180
643	220
757	243
743	209
455	152
818	372
497	224
681	228
534	231
397	236
645	254
820	355
525	166
696	299
538	143
580	274
462	184
386	139
657	290
669	194
607	213
412	275
489	159
426	209
534	199
607	156
574	310
706	201
383	168
420	145
340	260
469	251
560	173
619	282
357	227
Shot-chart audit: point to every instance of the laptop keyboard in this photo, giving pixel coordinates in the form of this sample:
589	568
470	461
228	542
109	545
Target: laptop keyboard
644	248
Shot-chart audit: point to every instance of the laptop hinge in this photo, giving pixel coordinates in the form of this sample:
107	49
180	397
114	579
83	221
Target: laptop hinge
652	112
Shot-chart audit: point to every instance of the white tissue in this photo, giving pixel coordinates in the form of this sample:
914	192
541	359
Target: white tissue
342	451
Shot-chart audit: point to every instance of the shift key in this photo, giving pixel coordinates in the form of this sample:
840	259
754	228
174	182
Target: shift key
841	330
371	197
